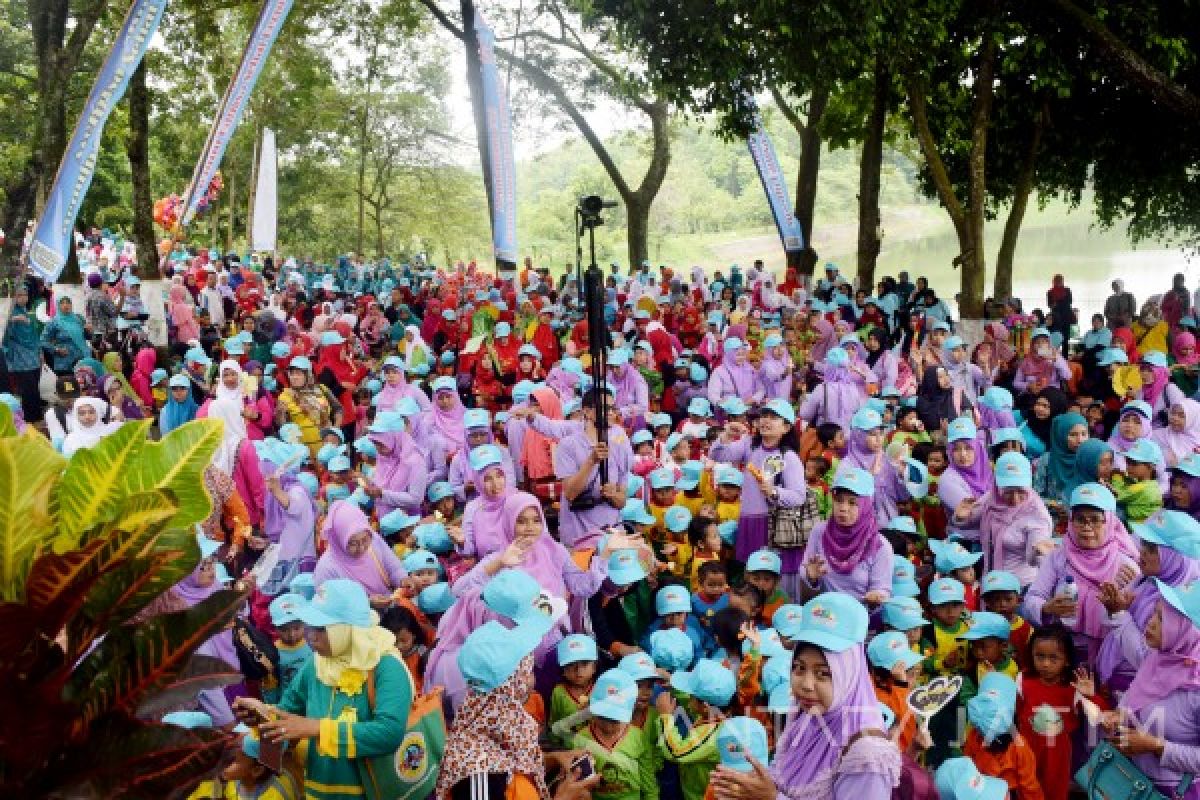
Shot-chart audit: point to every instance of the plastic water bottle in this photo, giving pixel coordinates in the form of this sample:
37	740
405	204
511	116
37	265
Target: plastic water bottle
1067	588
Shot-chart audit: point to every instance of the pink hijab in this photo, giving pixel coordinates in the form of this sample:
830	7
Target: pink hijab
1183	443
487	523
344	520
545	559
1183	340
450	423
1094	567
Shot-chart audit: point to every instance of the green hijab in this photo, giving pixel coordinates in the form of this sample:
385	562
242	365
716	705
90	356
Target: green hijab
1064	465
1087	459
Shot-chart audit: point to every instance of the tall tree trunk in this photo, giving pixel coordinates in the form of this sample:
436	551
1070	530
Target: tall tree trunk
974	267
475	87
1002	287
138	150
637	213
868	177
362	181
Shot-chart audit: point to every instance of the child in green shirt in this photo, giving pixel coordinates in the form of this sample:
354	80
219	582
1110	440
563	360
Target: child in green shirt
948	607
1137	491
577	656
709	688
624	755
988	642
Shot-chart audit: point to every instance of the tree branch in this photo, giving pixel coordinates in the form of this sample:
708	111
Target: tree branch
85	23
444	19
786	109
933	159
1136	69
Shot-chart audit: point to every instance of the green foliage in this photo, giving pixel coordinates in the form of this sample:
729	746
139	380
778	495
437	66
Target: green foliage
85	546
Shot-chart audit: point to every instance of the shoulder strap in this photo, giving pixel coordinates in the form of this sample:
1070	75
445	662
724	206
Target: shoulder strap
371	690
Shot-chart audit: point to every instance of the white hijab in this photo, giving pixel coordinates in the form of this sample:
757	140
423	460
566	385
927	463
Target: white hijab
228	411
82	437
235	393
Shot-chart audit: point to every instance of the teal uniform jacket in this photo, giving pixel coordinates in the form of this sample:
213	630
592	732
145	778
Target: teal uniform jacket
354	743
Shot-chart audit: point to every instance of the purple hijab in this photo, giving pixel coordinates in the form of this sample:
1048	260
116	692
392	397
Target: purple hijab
191	592
450	423
1119	443
811	746
743	376
978	477
344	520
843	393
275	516
1175	665
624	383
1174	569
544	561
994	418
844	548
488	522
563	382
392	470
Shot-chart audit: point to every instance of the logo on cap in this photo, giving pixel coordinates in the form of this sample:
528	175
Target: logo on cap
824	614
575	644
733	748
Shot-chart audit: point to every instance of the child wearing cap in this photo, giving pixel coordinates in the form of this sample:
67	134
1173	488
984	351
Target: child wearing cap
763	570
413	639
247	776
673	604
676	550
728	493
289	642
993	744
989	650
578	658
704	537
905	615
1001	592
443	505
1138	493
709	689
952	560
738	740
624	755
662	498
895	668
949	657
695	489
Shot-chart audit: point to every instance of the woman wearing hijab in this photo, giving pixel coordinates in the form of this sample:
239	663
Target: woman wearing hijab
306	404
1036	428
775	370
937	400
1155	723
631	393
339	371
414	349
181	308
447	426
1185	363
143	368
124	406
1097	550
1057	473
483	517
1157	390
1169	552
839	394
400	476
65	338
351	701
289	516
1042	366
180	406
1181	437
847	553
92	421
395	387
1150	330
1184	492
967	478
865	450
356	552
1013	523
882	361
22	352
229	386
237	458
736	376
835	747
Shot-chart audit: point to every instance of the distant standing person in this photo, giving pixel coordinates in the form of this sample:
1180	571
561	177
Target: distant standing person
1176	303
1058	298
1120	307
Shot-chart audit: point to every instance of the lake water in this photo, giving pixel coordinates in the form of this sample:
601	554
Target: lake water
1088	258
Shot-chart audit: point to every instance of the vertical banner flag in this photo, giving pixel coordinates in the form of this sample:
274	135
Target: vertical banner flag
229	113
774	184
53	237
498	124
262	237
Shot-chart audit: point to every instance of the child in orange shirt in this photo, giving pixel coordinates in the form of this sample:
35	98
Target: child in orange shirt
993	745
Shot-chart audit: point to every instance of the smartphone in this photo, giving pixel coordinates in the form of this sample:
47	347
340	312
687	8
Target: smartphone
583	767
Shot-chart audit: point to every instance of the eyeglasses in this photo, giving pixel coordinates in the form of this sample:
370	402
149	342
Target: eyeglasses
1087	520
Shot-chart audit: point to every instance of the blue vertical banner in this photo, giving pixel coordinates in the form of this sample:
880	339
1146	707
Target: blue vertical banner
774	184
498	126
270	21
53	237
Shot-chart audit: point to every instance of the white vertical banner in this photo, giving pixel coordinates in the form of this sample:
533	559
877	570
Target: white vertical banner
262	237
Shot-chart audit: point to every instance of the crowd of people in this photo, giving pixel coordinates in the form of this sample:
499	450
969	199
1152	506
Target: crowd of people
794	539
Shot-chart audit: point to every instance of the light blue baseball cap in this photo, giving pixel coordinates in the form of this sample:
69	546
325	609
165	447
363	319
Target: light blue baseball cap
904	578
640	437
866	419
284	607
946	590
734	406
393	362
660	420
484	456
999	580
158	376
301	363
662	478
502	329
991	711
997	398
962	428
1013	471
780	408
513	593
987	625
338	602
1138	407
192	720
303	585
773	340
639	666
634	485
1184	599
338	464
1095	496
833	621
953	343
770	644
180	382
700	407
614	696
280	349
439	490
689	475
764	561
788	619
674	440
635	512
234	346
949	556
365	447
1002	435
625	567
697	373
1177	530
672	649
523	390
335	492
387	422
569	407
1112	355
727	530
890	648
903	524
432	536
677	519
1155	358
197	356
575	648
708	681
904	613
530	351
673	599
476	418
331	338
959	779
444	384
1145	451
618	357
436	598
420	559
491	653
729	476
837	357
738	740
733	343
855	480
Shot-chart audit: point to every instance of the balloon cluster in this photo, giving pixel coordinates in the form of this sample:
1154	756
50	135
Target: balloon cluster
167	211
210	196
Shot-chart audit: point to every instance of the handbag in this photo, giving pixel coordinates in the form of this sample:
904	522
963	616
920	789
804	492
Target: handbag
789	527
1109	775
412	771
